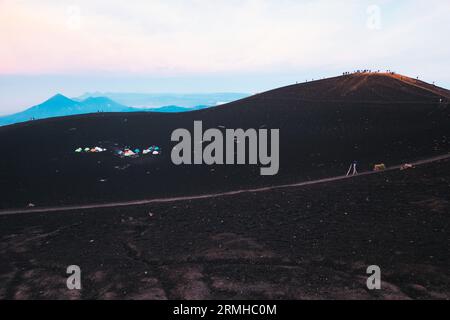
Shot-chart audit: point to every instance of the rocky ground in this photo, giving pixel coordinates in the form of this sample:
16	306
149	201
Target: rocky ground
311	242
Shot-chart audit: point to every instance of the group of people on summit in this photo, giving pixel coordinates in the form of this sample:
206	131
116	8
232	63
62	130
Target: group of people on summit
366	71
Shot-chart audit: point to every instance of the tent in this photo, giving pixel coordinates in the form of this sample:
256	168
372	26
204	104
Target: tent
379	167
155	150
406	166
129	153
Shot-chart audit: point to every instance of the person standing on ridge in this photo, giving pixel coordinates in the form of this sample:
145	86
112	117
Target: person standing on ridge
353	166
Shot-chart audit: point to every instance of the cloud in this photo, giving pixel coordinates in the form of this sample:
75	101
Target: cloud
170	37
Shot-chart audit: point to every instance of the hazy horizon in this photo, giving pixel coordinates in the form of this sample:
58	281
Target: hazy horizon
148	100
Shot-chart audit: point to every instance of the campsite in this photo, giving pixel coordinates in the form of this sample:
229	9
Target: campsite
123	152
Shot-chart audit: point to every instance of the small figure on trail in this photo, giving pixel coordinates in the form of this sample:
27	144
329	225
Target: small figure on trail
352	170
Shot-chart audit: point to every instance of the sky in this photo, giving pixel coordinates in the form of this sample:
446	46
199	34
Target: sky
77	46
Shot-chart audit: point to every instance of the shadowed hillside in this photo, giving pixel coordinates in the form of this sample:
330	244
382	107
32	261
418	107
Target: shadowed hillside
324	125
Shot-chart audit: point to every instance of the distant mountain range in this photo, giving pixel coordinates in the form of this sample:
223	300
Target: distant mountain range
60	105
155	100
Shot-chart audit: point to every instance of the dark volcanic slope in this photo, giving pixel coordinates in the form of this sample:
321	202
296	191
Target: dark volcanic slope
297	243
364	87
324	125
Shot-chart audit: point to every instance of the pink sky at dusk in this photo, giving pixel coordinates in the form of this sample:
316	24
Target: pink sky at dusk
220	38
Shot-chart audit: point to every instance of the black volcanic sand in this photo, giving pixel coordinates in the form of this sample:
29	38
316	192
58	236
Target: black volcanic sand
311	242
324	126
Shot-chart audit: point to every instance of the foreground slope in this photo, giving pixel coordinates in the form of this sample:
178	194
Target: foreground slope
324	125
311	242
